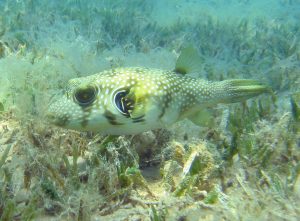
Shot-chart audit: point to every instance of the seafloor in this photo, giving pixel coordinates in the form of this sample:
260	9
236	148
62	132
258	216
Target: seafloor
243	164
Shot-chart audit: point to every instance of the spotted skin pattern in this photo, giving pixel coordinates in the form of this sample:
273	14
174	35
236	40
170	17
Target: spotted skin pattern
132	100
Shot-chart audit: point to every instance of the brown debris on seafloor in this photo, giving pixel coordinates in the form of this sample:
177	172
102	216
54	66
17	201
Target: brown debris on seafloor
4	49
189	172
74	166
8	130
74	176
45	167
45	170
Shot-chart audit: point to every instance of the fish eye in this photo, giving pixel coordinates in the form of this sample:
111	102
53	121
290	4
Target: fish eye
122	103
85	96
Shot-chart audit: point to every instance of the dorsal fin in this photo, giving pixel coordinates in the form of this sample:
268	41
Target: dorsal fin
189	61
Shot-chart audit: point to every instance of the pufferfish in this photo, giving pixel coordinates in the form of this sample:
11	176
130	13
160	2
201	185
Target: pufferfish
131	100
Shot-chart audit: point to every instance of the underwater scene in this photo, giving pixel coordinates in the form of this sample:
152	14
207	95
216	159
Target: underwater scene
158	110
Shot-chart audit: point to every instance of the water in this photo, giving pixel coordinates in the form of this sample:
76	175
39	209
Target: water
243	163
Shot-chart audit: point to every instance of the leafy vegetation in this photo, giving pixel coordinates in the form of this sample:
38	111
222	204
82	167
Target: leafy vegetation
245	165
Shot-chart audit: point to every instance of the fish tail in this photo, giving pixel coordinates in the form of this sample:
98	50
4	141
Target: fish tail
237	90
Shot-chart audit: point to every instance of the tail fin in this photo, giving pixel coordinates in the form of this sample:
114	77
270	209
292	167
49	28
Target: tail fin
237	90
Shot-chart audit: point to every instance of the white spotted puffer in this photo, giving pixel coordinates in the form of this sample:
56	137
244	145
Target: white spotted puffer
132	100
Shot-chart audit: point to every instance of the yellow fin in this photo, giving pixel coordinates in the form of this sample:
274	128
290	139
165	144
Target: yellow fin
138	99
189	61
203	118
138	112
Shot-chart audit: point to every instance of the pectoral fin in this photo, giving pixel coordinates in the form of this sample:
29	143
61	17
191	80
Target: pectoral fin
138	109
203	118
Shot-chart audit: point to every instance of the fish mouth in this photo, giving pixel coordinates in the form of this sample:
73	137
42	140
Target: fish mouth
60	121
50	118
55	113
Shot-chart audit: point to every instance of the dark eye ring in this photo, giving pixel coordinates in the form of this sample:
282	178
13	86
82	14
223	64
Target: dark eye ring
86	95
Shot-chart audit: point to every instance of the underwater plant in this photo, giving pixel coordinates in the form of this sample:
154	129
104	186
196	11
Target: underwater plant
241	163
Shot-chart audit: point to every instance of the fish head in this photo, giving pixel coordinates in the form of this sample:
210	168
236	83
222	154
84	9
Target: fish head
103	103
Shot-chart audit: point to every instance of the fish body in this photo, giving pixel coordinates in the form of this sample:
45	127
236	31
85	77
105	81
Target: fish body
132	100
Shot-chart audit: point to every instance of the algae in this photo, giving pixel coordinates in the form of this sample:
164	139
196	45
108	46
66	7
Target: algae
242	166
